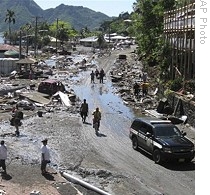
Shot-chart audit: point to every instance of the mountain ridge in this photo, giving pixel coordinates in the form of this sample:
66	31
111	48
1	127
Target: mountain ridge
26	10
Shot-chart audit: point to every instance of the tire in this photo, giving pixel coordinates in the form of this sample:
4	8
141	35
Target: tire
157	156
135	143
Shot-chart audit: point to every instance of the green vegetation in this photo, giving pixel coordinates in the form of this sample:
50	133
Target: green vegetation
78	16
10	18
148	29
145	23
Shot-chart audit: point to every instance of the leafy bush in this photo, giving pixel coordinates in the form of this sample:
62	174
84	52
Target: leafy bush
190	86
176	84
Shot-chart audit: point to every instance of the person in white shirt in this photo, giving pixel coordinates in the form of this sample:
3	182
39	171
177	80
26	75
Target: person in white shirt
3	156
45	156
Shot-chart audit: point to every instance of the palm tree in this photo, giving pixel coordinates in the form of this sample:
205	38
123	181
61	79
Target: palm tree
10	18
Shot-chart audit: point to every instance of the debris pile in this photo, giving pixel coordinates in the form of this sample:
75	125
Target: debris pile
126	73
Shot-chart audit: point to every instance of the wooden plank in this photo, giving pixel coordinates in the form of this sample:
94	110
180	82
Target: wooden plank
36	97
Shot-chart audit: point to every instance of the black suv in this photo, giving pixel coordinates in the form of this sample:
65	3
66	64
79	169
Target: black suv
162	139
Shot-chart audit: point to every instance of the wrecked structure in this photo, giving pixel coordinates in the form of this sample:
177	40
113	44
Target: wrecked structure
39	93
7	65
126	72
179	31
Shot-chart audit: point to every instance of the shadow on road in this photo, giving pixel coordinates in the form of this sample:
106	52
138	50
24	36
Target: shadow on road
173	165
6	176
49	177
100	135
87	123
182	166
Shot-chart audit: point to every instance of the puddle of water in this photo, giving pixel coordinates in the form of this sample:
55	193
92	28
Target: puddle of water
1	38
115	104
76	59
101	95
98	95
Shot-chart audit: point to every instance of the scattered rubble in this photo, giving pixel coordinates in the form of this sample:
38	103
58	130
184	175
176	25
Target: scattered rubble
25	93
124	74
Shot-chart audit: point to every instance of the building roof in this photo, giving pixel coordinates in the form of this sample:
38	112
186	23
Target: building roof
6	47
26	61
118	37
89	39
11	53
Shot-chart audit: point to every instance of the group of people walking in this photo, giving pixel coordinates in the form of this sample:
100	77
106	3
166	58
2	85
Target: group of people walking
97	74
144	85
84	113
84	109
45	150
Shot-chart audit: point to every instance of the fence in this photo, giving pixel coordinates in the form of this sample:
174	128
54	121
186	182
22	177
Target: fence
179	31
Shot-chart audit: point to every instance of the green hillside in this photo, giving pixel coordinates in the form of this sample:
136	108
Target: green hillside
27	10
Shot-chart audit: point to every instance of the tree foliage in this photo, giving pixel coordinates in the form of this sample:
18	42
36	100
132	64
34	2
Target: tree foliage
10	18
62	30
117	25
147	27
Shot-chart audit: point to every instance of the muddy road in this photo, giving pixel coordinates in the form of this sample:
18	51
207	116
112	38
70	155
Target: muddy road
106	161
141	174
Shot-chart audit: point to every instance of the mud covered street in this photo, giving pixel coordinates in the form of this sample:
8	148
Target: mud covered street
106	161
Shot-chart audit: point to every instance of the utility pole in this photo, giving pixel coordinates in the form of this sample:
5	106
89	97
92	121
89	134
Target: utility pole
109	34
56	42
27	45
20	44
28	27
35	43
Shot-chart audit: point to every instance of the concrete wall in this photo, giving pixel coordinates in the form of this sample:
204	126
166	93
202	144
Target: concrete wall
7	65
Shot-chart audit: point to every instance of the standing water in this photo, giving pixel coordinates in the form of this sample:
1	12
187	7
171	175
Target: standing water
1	38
